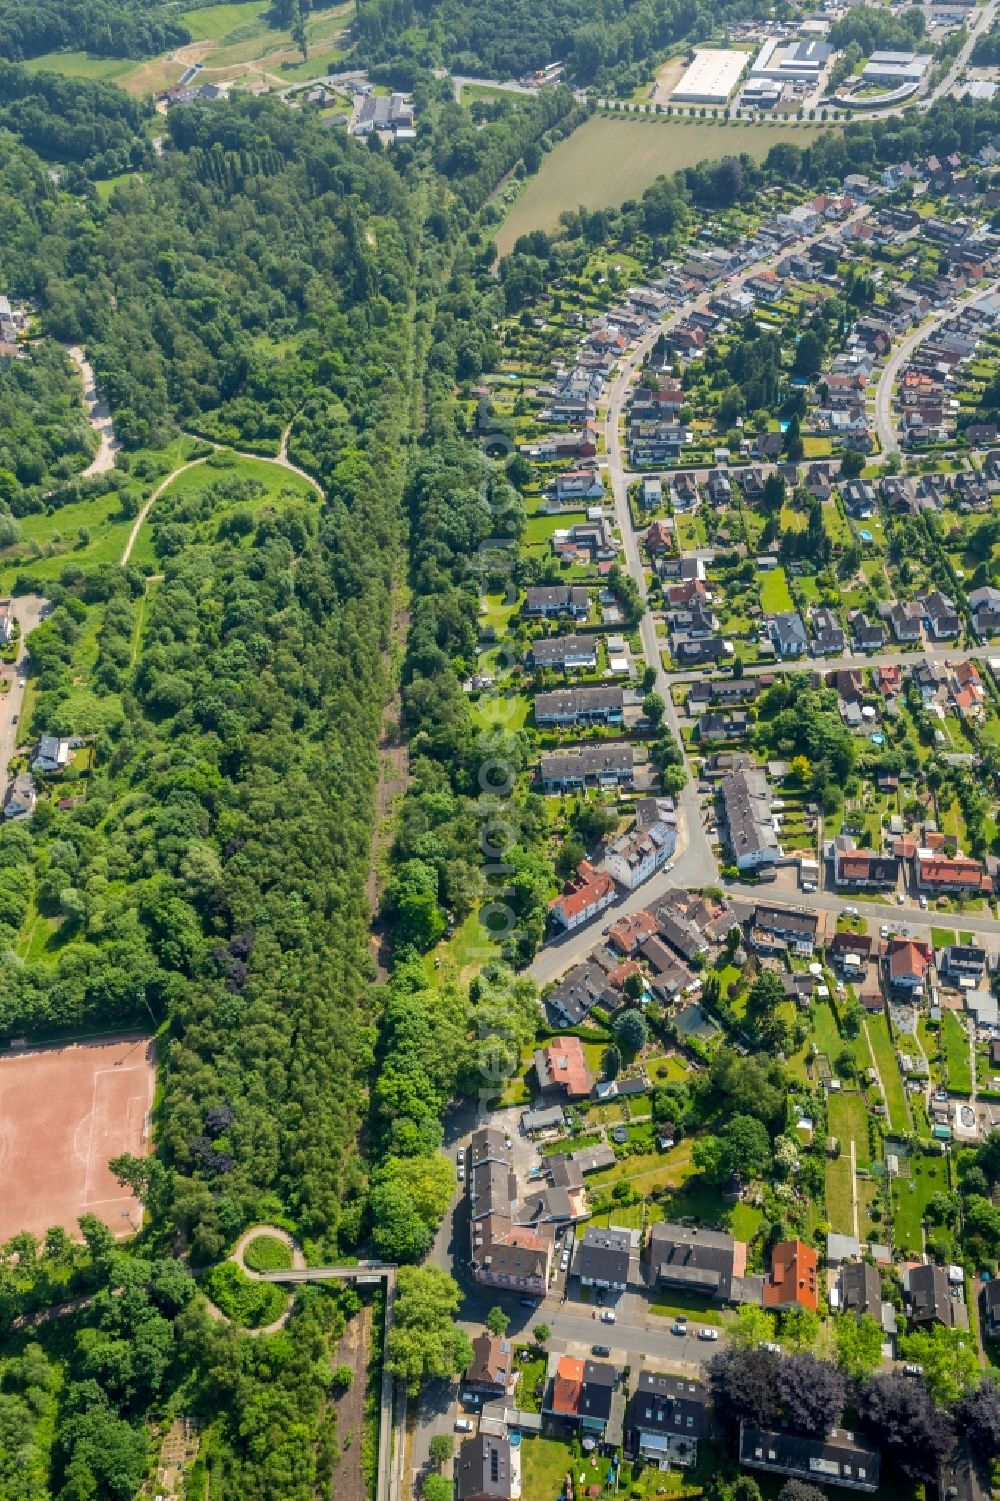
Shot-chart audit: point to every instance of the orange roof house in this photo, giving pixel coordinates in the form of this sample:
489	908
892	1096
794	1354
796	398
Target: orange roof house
793	1279
567	1385
561	1069
908	962
630	931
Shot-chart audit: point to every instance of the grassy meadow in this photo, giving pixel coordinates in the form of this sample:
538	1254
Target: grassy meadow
612	158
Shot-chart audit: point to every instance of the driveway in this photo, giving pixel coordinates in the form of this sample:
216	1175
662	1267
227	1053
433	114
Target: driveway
28	610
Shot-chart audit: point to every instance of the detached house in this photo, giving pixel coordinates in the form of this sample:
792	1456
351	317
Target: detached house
490	1372
793	1279
667	1415
53	755
601	1258
588	893
789	635
940	616
582	1393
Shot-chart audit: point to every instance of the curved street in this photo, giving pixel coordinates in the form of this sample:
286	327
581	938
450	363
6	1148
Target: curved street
885	417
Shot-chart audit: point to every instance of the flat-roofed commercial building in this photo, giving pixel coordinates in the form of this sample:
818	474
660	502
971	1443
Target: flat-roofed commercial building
711	77
894	68
794	62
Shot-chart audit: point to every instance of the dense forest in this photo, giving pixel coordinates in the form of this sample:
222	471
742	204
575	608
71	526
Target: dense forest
608	49
108	28
44	434
260	277
88	128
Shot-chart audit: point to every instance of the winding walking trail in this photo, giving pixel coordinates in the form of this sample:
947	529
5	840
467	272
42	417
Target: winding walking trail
98	415
281	459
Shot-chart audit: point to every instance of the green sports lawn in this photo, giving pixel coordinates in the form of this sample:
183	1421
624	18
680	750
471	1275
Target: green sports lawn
609	159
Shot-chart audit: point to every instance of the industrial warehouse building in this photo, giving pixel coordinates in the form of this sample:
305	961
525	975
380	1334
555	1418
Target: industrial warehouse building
711	78
895	68
791	62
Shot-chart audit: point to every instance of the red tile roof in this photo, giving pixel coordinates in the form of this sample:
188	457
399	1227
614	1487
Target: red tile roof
564	1066
792	1282
567	1386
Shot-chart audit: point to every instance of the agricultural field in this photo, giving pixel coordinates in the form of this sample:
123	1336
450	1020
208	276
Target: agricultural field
609	159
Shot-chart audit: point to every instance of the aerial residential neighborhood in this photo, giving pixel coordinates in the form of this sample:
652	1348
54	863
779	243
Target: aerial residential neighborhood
499	751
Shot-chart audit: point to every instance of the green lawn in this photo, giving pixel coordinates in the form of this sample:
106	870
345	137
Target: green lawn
910	1197
57	536
81	65
956	1050
848	1118
545	1462
607	160
689	1305
839	1199
774	592
888	1068
209	23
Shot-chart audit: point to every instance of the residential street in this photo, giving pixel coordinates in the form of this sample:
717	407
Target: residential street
885	419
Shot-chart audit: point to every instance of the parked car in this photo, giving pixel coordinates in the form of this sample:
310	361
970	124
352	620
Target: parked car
604	1350
769	1344
463	1425
460	1155
913	1370
607	1316
679	1326
529	1302
708	1333
923	903
900	898
461	1173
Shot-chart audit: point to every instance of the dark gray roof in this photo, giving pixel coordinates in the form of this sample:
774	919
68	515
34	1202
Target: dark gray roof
483	1468
861	1289
665	1404
603	1255
838	1459
701	1259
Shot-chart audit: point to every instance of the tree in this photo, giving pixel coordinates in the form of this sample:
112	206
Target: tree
753	1327
978	1415
653	707
424	1342
858	1343
852	464
542	1334
437	1488
800	1328
743	1383
800	1490
949	1358
808	353
441	1448
899	1414
611	1062
813	1393
742	1147
631	1031
298	30
497	1322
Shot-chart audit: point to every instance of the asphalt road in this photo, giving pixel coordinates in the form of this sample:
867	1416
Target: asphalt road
28	610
